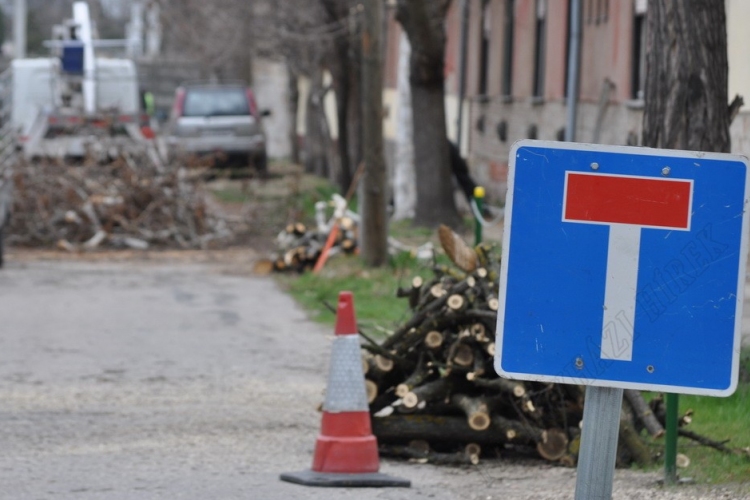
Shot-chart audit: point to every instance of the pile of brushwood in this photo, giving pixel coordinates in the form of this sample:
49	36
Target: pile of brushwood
300	247
434	394
132	201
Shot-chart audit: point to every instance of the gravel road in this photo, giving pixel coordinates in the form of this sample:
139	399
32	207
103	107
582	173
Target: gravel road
191	379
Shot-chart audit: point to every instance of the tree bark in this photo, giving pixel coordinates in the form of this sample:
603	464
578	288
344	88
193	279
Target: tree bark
686	103
374	227
424	23
293	112
341	68
404	176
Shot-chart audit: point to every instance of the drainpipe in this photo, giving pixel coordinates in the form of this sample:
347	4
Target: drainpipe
573	62
462	70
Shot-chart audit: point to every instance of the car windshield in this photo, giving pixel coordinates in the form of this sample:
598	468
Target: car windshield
216	102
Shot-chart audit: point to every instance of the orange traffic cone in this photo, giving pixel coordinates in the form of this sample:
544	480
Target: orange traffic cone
346	451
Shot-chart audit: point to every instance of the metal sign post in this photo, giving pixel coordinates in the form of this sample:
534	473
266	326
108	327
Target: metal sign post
598	452
622	268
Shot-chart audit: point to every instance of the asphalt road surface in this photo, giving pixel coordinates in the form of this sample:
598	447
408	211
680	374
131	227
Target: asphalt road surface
161	379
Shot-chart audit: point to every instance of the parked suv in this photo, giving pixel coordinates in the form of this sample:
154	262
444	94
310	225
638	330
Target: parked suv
218	119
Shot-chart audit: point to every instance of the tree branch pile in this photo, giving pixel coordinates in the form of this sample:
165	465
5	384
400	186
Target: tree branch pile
130	202
434	393
299	247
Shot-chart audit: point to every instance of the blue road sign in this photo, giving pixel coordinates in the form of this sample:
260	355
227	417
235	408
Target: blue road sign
623	267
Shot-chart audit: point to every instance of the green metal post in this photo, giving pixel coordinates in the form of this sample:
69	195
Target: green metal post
479	200
670	444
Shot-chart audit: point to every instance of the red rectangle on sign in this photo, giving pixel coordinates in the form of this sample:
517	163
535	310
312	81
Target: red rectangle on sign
621	199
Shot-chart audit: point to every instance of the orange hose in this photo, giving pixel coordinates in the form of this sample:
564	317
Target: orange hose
327	248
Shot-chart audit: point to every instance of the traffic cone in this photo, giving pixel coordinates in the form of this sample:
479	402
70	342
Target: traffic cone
346	451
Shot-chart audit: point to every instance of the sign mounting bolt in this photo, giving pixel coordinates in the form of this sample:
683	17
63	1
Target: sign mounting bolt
665	171
594	166
579	363
650	368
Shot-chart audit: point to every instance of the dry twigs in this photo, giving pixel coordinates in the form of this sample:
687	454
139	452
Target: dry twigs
132	202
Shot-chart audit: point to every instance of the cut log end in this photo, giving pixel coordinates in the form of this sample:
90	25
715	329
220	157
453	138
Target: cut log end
553	445
519	390
372	390
365	365
433	339
384	364
410	400
479	331
402	390
682	461
437	290
417	282
493	304
456	302
479	421
472	449
463	356
347	223
490	348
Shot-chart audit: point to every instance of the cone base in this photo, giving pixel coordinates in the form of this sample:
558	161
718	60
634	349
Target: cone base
329	479
340	455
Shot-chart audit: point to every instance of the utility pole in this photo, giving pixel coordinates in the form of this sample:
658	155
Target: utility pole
573	60
374	227
19	29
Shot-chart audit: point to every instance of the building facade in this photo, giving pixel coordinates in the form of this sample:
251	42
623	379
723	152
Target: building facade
517	69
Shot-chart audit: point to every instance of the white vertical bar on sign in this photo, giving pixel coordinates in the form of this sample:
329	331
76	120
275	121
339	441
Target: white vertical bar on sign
620	292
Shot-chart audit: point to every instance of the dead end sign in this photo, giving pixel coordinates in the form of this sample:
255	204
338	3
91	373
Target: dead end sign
623	267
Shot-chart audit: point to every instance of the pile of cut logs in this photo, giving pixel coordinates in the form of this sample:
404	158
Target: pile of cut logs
300	247
434	394
134	201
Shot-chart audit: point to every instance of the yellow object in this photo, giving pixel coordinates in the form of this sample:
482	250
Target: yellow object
479	192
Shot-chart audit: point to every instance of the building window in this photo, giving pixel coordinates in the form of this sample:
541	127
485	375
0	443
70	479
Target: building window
539	52
484	48
602	11
508	48
639	50
597	11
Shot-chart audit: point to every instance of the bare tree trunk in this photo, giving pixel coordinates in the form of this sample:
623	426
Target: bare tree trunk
315	141
354	119
686	104
404	177
424	23
293	113
374	231
341	73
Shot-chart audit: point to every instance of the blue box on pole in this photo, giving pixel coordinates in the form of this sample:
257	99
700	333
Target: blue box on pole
72	58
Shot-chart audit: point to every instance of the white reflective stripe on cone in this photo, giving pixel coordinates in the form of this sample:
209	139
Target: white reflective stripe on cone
346	383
